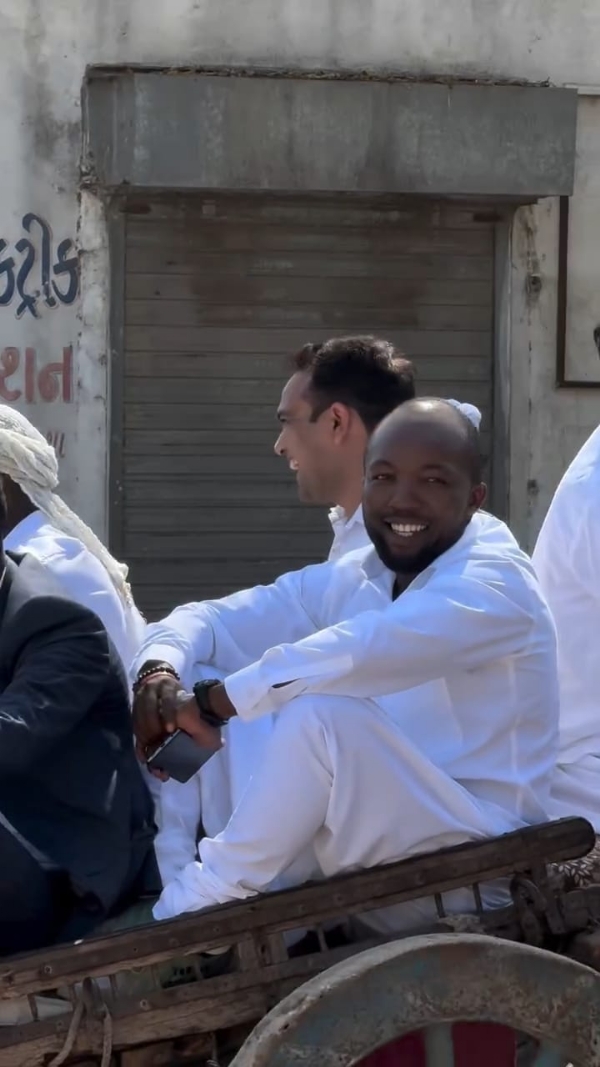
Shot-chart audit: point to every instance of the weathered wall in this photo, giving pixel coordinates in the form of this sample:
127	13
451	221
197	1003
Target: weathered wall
548	425
44	51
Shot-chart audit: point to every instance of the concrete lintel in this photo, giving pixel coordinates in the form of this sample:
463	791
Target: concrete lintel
185	130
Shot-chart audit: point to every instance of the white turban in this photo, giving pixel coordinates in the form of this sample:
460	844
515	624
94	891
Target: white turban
27	458
470	412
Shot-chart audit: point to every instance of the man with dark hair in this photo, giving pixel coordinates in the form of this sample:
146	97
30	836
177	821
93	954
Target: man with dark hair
76	819
339	392
415	685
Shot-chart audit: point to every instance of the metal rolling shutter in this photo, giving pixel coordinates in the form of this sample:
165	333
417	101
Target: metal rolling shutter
220	291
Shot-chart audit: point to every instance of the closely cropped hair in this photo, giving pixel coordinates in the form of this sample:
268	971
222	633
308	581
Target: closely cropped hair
473	439
364	373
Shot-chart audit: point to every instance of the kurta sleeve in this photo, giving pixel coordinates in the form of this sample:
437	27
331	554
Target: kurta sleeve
235	631
455	623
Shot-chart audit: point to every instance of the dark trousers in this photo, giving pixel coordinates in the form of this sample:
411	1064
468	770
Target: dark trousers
34	903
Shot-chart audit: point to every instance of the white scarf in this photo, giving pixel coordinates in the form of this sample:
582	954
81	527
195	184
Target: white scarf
27	458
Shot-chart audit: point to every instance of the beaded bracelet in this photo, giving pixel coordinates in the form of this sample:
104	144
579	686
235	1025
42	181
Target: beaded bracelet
150	671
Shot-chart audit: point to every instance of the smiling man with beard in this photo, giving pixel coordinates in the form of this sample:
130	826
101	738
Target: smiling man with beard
415	685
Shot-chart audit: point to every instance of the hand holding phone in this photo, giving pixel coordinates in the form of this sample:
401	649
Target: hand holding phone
179	756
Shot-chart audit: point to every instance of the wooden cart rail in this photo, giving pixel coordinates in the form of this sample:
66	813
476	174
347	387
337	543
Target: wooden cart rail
263	971
420	876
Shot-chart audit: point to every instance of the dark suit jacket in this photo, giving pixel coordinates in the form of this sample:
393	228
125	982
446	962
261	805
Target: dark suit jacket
69	780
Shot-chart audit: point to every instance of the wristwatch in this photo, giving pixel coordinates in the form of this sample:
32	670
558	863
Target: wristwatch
201	692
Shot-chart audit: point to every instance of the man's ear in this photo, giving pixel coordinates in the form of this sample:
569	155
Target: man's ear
340	416
478	496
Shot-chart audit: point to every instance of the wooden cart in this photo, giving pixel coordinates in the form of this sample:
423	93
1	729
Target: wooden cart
151	997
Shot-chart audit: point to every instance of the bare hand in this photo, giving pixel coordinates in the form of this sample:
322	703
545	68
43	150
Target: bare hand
154	710
162	706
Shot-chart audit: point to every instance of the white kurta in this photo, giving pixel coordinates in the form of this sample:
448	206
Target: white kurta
441	705
214	793
567	561
349	534
83	579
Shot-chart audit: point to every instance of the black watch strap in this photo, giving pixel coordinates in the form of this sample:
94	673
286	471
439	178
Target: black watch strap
200	691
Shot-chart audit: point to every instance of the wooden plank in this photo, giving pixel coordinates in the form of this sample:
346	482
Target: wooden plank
198	390
256	442
232	365
196	238
204	469
337	210
435	266
176	481
250	392
189	416
279	341
195	544
177	573
326	319
242	521
216	492
350	894
374	292
263	466
30	1046
140	416
219	1004
187	442
188	1011
145	445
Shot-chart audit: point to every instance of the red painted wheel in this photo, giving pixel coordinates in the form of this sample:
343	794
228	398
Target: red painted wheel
413	998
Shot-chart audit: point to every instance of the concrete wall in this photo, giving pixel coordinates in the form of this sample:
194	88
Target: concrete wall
44	50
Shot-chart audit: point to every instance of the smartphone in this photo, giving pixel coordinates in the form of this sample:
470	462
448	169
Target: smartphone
179	757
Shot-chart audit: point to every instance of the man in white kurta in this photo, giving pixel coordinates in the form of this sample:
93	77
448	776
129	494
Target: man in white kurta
39	522
339	392
567	562
414	684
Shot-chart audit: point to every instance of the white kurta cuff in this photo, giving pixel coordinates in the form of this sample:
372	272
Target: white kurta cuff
164	654
252	697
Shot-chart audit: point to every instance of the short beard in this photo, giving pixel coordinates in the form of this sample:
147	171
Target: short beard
415	564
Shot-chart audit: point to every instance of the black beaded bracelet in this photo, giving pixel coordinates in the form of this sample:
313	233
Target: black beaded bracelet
200	691
152	668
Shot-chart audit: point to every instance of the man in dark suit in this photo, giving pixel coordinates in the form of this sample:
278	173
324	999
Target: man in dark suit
76	818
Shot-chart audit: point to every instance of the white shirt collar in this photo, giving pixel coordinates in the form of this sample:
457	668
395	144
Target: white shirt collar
338	516
23	532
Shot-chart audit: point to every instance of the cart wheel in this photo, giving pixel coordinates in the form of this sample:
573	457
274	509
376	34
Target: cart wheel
420	986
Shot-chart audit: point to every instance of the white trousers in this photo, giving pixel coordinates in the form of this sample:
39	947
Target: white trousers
212	795
576	790
333	785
